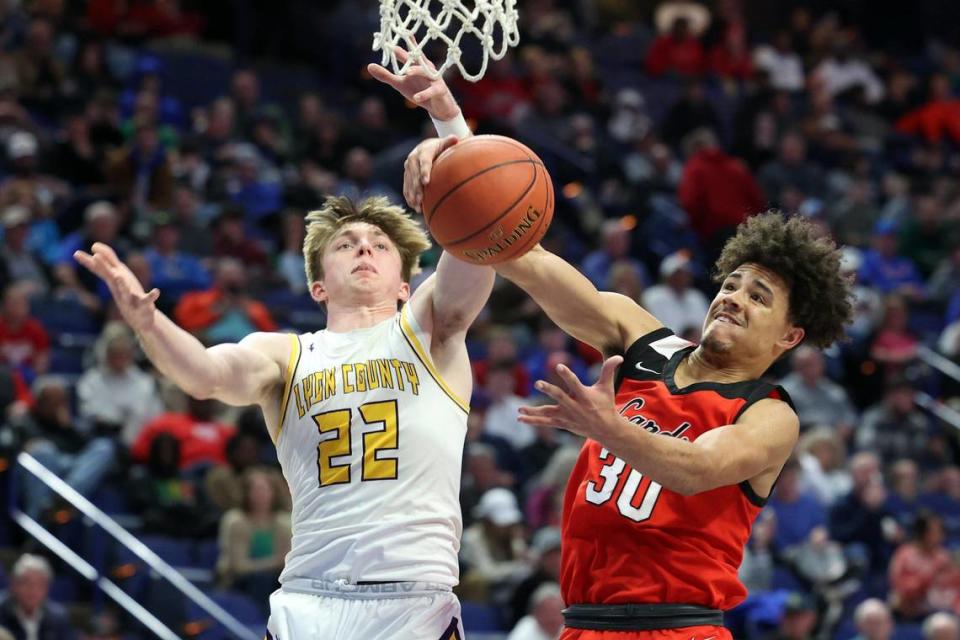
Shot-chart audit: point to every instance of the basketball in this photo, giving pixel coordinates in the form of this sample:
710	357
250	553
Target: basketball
489	199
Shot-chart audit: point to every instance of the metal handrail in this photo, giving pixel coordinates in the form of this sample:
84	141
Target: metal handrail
948	414
138	548
944	365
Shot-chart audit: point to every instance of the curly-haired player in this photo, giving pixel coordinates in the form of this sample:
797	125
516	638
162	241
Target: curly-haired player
654	527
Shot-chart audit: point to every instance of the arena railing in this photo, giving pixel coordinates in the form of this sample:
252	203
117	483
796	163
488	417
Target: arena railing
944	365
29	464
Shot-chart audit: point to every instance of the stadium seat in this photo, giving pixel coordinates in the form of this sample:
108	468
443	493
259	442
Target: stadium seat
65	316
479	617
176	552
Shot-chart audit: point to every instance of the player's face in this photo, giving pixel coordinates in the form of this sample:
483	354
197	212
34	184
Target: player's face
361	264
750	315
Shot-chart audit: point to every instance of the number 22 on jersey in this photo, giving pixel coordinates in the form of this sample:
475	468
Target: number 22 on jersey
336	441
610	478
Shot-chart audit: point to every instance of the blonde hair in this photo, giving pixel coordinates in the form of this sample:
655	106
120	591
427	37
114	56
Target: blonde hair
338	211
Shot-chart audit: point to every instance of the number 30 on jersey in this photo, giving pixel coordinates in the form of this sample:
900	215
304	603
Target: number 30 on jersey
610	475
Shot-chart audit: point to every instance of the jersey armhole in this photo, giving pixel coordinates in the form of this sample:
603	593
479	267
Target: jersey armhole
416	338
292	363
762	391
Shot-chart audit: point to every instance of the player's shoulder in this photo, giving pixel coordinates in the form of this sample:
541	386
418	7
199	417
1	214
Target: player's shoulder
279	347
648	355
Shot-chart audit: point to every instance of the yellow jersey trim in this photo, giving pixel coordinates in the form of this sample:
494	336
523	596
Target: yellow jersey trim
292	363
424	356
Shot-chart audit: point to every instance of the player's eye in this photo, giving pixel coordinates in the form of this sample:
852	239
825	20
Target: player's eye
381	245
728	286
757	298
343	245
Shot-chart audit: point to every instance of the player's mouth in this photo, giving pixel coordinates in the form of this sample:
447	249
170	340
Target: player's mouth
726	318
364	267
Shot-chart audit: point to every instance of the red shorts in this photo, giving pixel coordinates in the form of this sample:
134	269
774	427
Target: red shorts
706	632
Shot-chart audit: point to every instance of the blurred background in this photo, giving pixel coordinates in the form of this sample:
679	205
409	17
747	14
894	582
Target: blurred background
194	136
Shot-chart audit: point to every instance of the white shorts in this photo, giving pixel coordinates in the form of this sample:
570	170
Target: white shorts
319	610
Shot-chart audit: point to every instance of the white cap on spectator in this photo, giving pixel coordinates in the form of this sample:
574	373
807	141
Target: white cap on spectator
850	259
696	15
546	539
673	263
500	507
99	209
21	144
15	215
29	562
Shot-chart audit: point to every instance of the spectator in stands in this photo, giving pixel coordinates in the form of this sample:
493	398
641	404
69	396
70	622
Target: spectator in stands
781	63
615	246
545	552
25	184
69	447
226	312
170	502
822	455
678	51
675	301
945	281
928	236
201	438
501	415
800	617
75	158
691	112
860	520
225	483
716	190
941	626
917	566
230	239
493	549
140	173
252	182
24	343
894	428
904	499
502	349
116	393
248	102
818	400
254	540
359	180
800	517
854	215
843	71
873	620
943	498
545	618
40	74
290	261
756	569
101	224
884	269
18	262
482	470
26	610
939	118
174	270
791	169
545	493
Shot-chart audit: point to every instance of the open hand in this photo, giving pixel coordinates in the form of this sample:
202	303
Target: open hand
419	165
583	410
137	307
418	87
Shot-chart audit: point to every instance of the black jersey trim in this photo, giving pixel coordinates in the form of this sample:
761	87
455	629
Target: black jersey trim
632	355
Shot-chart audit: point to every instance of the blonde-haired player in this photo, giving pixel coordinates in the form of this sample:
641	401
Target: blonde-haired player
368	417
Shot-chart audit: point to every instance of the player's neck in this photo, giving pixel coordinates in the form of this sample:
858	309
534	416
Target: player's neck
703	366
341	319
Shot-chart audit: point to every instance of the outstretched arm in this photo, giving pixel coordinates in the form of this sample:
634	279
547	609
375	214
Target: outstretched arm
238	374
753	449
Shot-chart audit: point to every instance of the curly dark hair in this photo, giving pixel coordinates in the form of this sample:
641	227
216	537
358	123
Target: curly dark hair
820	296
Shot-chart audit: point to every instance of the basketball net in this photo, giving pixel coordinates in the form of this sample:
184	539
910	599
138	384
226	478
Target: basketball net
410	24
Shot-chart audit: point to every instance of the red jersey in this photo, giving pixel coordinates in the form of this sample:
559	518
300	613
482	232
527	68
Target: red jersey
627	540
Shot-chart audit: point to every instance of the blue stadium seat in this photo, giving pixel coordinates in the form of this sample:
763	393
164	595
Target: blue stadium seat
205	554
176	552
65	316
480	618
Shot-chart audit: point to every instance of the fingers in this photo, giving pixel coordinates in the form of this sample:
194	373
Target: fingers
552	390
570	379
108	254
609	371
544	415
383	74
151	297
428	94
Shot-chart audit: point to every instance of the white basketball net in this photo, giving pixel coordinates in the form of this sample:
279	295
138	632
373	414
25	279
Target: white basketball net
410	24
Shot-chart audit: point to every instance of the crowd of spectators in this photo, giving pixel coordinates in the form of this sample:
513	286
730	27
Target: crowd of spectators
663	125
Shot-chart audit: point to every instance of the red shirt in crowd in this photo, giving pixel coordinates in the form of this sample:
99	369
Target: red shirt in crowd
717	192
23	344
200	440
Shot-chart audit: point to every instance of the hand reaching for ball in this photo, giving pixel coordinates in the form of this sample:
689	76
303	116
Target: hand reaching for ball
417	168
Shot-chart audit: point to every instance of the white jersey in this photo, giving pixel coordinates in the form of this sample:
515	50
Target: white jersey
371	443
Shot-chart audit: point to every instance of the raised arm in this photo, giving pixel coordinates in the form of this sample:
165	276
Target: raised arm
609	322
249	372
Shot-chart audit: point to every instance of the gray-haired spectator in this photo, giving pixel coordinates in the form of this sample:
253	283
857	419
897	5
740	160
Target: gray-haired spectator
822	455
818	400
894	428
874	620
545	619
116	392
941	626
18	262
26	610
675	301
63	444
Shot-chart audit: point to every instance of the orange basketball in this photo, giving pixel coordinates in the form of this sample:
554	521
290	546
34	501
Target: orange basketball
489	199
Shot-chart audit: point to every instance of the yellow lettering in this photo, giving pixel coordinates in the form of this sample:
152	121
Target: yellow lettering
373	380
346	370
397	367
386	375
330	388
412	377
317	386
296	394
308	391
361	370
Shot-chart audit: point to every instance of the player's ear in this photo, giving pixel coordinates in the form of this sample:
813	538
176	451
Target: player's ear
792	337
404	294
318	292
